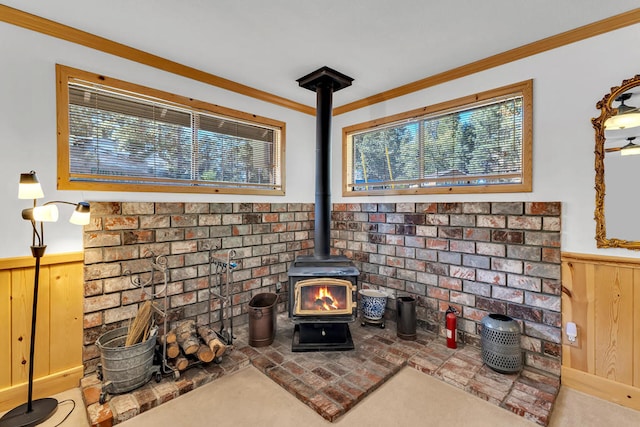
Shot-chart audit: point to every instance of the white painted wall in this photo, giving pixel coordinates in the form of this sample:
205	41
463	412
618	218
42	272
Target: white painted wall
569	80
567	84
28	133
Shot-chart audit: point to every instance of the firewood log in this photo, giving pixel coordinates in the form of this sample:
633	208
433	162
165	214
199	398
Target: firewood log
173	350
181	363
185	327
169	337
207	334
218	347
205	354
188	343
186	336
210	338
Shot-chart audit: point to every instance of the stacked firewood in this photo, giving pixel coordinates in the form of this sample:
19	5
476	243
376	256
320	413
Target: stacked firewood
187	340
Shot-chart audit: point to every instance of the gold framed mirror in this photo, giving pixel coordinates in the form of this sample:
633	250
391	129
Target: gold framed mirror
617	151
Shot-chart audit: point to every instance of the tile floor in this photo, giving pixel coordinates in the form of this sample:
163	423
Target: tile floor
332	383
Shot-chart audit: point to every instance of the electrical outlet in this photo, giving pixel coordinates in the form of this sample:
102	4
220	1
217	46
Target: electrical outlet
278	287
566	341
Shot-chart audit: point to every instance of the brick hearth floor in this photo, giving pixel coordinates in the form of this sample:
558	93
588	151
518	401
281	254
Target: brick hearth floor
332	383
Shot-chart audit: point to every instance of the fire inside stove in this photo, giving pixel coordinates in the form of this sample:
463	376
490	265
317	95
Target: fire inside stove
323	296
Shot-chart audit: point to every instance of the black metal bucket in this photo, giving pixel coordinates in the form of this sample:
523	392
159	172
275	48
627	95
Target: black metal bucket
406	323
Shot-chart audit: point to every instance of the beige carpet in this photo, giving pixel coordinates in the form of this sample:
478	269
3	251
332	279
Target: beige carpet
410	398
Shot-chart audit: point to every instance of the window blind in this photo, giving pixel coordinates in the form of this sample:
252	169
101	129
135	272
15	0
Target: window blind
479	144
116	136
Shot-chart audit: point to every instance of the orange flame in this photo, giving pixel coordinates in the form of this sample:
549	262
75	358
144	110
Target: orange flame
324	300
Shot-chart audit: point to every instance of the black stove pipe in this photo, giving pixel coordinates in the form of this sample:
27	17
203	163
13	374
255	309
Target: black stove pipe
322	231
324	82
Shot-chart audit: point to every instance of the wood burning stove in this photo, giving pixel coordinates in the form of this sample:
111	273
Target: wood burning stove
322	302
323	288
310	280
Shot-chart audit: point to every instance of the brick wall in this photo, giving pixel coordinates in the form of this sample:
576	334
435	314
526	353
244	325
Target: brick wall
479	257
265	236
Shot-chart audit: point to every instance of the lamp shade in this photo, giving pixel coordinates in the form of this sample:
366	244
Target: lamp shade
45	213
81	215
29	187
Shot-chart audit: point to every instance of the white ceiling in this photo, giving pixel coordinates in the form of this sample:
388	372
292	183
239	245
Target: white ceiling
382	44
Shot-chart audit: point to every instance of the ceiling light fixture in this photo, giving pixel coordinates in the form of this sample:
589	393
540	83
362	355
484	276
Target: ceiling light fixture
630	149
626	116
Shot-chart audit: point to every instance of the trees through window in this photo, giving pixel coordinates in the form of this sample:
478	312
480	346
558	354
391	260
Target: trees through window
119	136
480	143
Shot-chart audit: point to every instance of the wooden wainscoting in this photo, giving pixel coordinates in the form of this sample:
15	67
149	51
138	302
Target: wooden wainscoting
602	296
58	351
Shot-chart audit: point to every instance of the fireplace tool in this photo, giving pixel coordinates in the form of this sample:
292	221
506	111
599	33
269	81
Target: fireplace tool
125	368
158	263
222	269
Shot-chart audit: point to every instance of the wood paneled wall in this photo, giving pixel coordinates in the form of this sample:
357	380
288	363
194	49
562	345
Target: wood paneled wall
58	351
602	296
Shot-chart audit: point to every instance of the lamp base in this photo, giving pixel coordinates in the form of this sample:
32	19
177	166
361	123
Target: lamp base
19	417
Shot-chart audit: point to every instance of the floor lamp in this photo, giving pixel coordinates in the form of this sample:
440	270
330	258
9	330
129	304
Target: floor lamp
34	412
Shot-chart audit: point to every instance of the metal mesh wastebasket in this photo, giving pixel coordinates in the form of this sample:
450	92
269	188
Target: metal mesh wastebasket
500	340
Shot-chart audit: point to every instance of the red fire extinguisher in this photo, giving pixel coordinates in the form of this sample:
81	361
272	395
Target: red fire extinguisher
451	326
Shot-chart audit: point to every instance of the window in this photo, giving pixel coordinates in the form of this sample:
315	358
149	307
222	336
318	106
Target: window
480	143
117	136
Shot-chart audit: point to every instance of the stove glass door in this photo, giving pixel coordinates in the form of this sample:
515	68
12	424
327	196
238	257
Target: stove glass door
323	297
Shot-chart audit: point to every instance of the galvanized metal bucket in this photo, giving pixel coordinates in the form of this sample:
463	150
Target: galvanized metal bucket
125	368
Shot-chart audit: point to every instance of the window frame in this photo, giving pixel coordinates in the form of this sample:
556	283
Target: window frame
65	75
525	89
